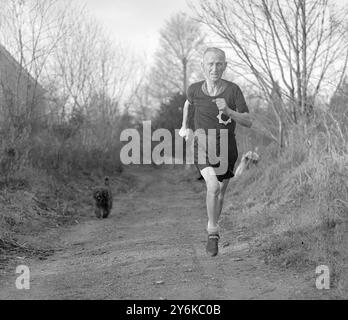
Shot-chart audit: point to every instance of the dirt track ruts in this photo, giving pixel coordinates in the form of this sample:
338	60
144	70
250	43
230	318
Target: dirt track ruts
152	247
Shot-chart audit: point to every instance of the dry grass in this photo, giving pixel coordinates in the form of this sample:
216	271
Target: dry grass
297	205
38	202
46	174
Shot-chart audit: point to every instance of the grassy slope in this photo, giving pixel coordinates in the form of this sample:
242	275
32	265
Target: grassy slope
296	209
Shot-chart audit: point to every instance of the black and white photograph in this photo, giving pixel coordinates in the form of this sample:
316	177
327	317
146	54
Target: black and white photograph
185	152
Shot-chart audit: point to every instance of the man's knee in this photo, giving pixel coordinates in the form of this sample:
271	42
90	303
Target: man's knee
214	189
221	196
213	184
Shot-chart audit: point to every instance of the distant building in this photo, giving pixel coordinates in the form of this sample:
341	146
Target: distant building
20	94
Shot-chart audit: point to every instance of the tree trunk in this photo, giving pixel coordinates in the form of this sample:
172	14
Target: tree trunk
281	137
184	65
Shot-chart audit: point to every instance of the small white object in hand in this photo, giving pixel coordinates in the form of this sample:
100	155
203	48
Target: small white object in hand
183	133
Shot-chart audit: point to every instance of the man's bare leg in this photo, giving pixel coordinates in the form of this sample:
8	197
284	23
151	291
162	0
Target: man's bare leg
213	203
221	197
215	197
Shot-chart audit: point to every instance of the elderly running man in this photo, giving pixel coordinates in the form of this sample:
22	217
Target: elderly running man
219	104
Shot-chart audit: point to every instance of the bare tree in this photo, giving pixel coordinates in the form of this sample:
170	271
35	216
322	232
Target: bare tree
292	50
87	65
181	40
90	75
60	51
140	103
30	31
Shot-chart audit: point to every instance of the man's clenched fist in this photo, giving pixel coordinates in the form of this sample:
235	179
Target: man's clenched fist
222	105
184	133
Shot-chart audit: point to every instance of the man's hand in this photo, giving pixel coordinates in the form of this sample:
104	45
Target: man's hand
184	133
244	119
222	105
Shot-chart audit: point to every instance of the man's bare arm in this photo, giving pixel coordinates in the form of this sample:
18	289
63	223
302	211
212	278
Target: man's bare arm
184	132
244	119
185	115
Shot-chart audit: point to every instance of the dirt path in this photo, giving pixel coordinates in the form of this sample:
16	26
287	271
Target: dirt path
152	247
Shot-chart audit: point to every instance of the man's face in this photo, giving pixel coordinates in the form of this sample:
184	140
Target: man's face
214	65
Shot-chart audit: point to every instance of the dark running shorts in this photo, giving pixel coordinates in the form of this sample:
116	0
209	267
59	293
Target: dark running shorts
202	159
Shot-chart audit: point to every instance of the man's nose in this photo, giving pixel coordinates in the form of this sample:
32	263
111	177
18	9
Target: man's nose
214	69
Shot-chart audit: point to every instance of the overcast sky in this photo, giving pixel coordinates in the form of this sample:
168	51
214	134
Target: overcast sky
137	22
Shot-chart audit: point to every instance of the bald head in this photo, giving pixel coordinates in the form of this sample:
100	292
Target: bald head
217	51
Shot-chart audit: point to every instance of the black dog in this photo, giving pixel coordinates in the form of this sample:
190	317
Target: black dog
103	200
